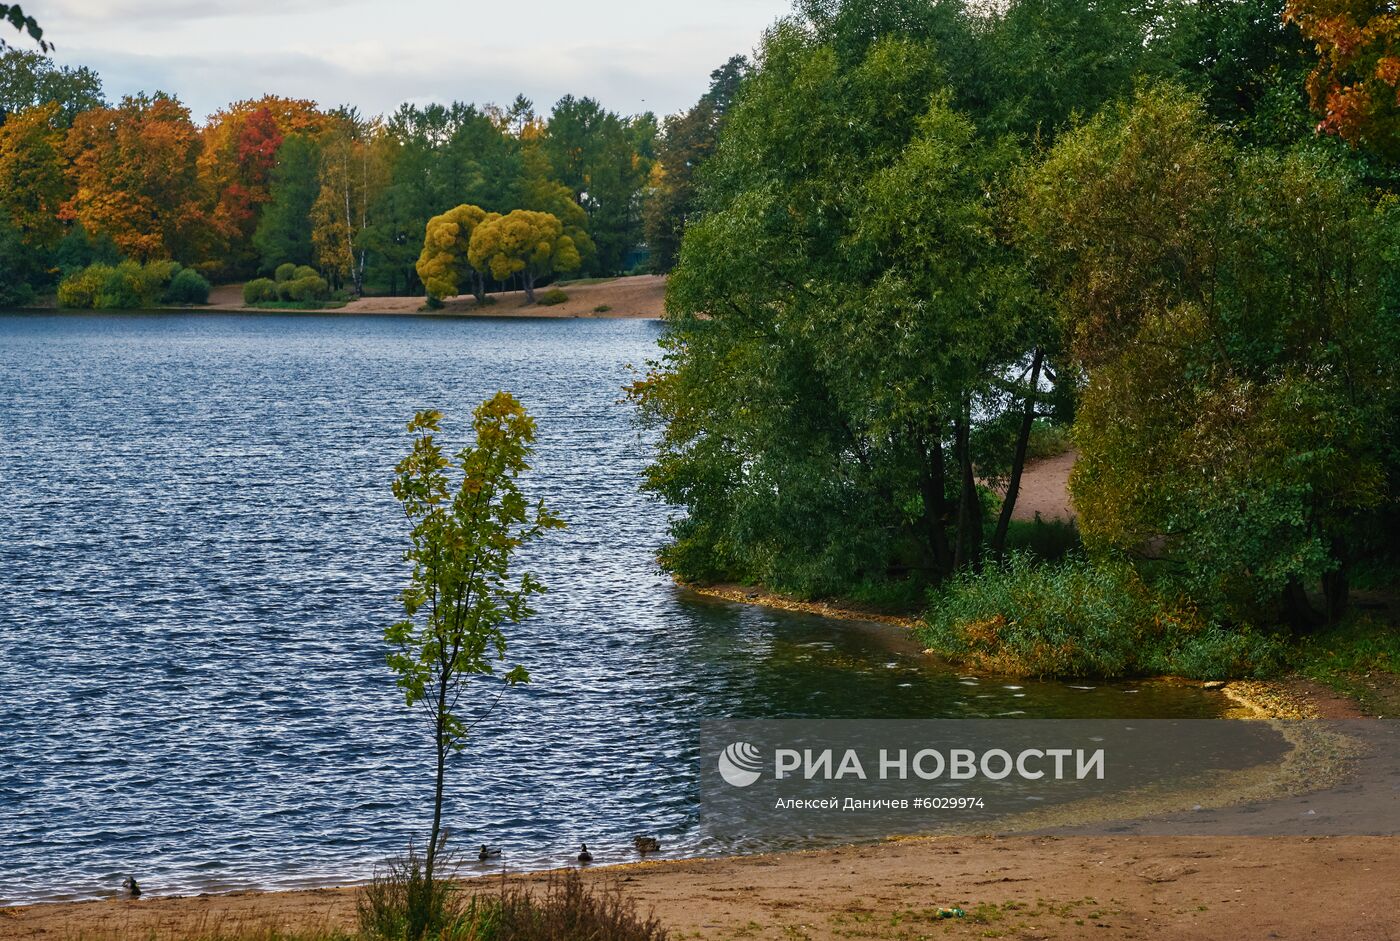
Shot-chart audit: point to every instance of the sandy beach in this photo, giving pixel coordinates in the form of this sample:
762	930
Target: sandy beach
1018	887
640	297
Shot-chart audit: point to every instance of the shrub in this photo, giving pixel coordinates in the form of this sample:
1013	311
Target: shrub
1047	440
551	297
284	272
80	289
602	308
259	290
569	908
401	904
126	284
1083	618
131	285
302	272
311	288
187	287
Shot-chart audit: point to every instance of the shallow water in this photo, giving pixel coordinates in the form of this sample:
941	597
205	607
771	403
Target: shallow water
199	551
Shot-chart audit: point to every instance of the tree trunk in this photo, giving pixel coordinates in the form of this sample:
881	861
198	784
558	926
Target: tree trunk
479	288
529	281
1297	609
440	742
969	539
933	490
1336	585
1018	461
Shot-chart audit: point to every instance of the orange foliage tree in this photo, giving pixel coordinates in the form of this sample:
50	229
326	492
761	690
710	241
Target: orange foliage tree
240	146
134	176
1356	84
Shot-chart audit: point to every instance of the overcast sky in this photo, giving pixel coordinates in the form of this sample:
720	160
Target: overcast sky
631	55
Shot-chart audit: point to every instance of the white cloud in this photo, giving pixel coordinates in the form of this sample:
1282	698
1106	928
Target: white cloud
631	56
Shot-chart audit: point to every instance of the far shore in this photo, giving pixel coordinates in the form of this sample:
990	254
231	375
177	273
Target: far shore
639	297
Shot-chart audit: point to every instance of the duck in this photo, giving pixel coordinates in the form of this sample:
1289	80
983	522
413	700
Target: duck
487	852
130	887
585	857
646	844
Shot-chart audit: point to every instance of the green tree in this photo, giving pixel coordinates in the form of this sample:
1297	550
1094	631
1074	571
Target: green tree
531	244
1231	309
29	79
284	229
604	160
461	592
841	317
687	142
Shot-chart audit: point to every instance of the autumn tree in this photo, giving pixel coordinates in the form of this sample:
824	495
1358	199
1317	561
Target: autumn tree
135	175
444	264
33	183
531	244
350	176
1356	84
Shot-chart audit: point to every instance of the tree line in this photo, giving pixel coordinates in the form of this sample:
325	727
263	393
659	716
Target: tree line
275	181
929	231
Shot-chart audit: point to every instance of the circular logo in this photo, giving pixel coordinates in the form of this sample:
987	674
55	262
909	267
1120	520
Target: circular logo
740	764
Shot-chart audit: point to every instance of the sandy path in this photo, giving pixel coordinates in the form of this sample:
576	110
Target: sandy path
1019	887
640	297
1045	489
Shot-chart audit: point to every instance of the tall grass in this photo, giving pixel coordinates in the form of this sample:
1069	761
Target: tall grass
400	904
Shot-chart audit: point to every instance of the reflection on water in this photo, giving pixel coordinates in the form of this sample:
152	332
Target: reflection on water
199	550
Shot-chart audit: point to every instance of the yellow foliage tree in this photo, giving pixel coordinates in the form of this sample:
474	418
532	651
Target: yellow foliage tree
445	264
532	244
32	182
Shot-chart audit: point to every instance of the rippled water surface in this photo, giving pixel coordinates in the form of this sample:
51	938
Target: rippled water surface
199	551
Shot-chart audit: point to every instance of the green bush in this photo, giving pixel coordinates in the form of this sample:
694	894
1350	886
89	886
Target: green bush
1047	440
551	297
131	285
259	290
1083	618
285	272
602	308
125	285
310	288
187	287
80	289
302	272
568	909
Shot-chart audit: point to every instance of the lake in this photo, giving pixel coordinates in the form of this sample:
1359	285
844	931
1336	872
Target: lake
199	551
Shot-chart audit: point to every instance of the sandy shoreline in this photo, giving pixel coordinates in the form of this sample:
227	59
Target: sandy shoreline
640	297
1022	887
